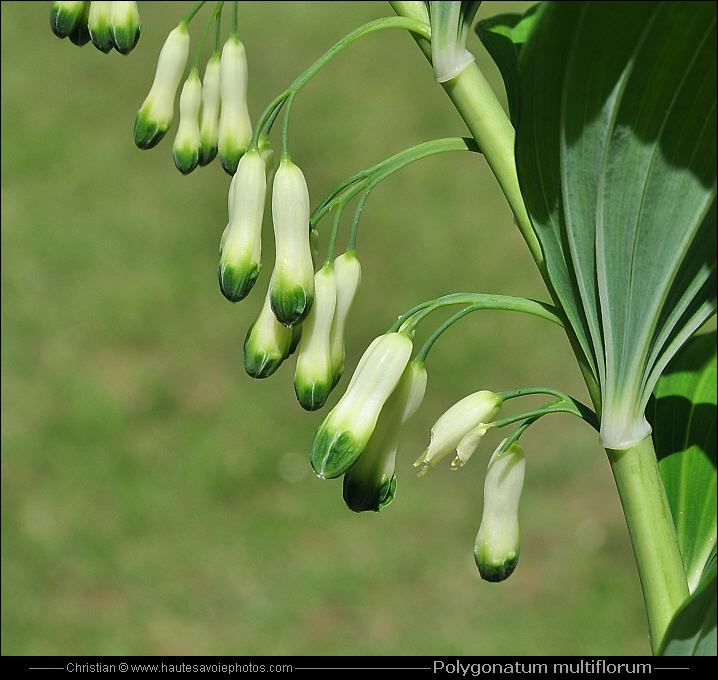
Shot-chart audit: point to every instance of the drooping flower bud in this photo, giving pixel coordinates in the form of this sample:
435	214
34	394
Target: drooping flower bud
460	428
156	113
313	375
98	24
125	25
241	251
348	275
65	17
267	344
235	127
370	483
292	283
81	35
187	144
209	117
497	544
345	432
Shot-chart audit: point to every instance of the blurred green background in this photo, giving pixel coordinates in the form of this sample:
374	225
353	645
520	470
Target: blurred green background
156	500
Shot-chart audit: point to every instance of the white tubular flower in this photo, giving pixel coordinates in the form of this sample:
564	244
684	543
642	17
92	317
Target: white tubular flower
267	344
345	432
156	113
98	24
125	25
81	35
370	483
497	544
292	283
241	250
65	17
460	428
235	127
209	117
313	374
187	144
348	274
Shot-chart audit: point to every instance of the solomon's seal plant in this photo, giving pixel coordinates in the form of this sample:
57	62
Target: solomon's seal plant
607	159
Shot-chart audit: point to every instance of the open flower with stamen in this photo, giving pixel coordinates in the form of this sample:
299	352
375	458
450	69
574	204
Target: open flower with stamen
235	126
348	276
267	344
313	374
292	282
241	249
209	116
370	483
156	113
125	25
497	544
460	428
187	144
65	17
98	24
345	432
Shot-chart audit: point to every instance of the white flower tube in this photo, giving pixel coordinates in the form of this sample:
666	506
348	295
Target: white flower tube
313	374
497	544
156	113
125	25
345	432
241	252
98	24
267	344
65	17
209	117
235	126
348	275
187	144
292	282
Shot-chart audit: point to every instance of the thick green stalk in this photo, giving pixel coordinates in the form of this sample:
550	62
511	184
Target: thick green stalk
652	532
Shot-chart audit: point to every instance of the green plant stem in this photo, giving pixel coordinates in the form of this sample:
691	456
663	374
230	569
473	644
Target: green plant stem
652	532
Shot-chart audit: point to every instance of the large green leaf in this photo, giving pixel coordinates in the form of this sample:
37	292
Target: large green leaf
683	416
616	156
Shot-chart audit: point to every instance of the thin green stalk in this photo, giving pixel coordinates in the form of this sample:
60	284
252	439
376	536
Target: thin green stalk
652	532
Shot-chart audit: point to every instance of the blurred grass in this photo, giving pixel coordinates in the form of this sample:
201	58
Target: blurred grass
155	500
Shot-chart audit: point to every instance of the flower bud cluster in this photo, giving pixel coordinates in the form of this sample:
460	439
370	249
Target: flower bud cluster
107	24
213	113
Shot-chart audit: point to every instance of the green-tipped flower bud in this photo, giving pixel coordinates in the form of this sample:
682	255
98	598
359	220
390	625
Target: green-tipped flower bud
345	432
292	283
460	428
98	24
497	544
267	344
65	17
81	35
187	144
241	250
313	375
370	483
156	113
209	117
348	274
235	127
125	26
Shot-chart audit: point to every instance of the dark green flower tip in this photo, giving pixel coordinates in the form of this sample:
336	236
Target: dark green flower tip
312	395
495	572
236	282
65	17
230	161
148	133
207	154
261	364
290	305
333	453
363	495
81	35
186	160
125	38
100	44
